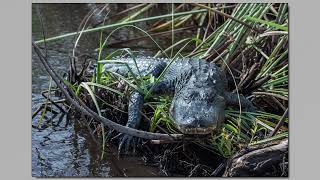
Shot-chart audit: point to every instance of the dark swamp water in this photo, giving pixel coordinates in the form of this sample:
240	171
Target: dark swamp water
62	147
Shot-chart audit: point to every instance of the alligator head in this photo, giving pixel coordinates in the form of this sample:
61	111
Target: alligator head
198	107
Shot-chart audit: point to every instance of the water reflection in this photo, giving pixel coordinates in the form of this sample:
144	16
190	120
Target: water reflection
67	149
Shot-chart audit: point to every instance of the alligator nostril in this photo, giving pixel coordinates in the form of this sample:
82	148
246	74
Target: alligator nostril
193	122
190	121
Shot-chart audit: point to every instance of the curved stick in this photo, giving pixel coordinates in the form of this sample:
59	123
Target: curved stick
79	104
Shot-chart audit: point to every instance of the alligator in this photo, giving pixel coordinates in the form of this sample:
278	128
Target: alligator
198	88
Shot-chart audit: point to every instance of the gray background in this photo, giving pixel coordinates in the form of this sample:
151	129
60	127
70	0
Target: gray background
15	95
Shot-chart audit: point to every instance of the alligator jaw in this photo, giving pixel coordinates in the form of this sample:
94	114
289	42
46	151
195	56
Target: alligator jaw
206	130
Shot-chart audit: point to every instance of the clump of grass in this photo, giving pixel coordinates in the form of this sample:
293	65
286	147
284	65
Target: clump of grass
161	115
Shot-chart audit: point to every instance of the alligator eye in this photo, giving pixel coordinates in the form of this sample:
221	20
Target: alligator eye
212	96
188	97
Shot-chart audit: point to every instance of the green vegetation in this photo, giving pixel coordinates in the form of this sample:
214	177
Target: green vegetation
256	58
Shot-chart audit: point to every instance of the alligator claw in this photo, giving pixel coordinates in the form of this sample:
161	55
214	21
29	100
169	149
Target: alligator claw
127	143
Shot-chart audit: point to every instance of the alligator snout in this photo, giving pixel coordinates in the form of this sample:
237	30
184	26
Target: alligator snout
197	116
192	122
193	125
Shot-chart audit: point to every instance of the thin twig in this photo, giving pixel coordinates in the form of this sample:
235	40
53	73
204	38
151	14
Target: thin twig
280	123
51	101
43	105
228	16
219	169
42	28
271	94
279	103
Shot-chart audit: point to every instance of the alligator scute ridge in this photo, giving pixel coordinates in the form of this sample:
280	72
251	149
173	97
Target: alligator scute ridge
198	87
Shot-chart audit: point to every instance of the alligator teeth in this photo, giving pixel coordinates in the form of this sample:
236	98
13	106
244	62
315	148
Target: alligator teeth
197	130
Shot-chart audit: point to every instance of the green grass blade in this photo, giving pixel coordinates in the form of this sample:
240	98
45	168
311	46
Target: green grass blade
269	23
92	95
105	87
121	24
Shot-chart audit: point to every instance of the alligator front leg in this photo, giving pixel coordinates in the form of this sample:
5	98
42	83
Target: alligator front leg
134	114
134	118
233	99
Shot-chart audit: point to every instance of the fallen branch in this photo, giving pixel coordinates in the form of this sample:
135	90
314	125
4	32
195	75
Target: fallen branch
79	105
257	161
